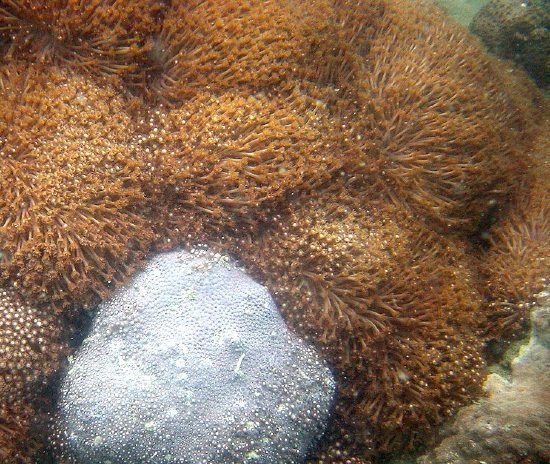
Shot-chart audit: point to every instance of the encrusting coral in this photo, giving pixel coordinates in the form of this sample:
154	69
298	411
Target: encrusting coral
366	160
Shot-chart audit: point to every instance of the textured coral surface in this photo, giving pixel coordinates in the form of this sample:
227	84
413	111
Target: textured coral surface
366	160
198	352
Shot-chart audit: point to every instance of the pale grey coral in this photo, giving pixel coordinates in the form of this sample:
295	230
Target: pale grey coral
192	363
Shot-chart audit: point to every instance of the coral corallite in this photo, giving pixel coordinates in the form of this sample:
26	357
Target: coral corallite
367	161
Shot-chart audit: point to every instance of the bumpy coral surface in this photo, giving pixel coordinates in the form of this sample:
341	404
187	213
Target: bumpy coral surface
366	160
76	223
192	362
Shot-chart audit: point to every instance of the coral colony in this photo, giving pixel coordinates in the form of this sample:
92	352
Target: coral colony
192	363
366	161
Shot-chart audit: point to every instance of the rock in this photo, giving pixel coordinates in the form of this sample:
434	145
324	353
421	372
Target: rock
192	363
518	30
513	423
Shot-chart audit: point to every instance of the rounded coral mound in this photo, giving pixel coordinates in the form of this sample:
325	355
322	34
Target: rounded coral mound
200	355
367	161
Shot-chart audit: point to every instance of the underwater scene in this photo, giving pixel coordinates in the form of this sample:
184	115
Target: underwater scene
274	231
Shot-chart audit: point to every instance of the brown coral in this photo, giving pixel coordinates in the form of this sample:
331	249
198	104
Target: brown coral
350	154
253	149
517	265
387	303
262	46
31	348
451	151
100	37
71	202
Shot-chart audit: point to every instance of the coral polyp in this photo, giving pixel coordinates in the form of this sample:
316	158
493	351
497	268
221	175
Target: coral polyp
72	210
106	38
